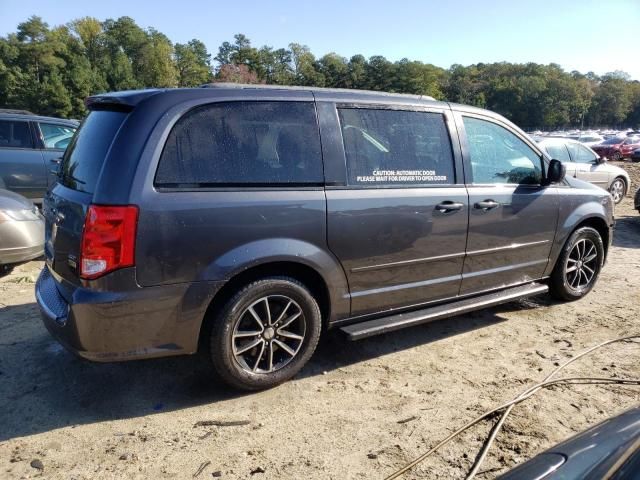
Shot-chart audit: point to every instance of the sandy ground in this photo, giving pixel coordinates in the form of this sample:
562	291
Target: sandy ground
344	416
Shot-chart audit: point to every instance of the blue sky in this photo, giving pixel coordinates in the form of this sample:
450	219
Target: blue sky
583	35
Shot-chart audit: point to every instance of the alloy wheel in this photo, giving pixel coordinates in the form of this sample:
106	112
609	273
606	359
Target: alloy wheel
268	335
581	265
617	190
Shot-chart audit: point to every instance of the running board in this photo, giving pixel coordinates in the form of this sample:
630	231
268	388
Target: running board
358	331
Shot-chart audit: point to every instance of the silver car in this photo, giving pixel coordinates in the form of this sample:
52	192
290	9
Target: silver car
583	163
21	231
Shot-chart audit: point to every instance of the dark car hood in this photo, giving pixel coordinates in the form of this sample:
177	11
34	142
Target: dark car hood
588	455
13	201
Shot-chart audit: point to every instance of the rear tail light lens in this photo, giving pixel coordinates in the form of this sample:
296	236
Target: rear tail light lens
108	239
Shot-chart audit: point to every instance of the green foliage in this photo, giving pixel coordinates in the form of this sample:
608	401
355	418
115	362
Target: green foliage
52	70
193	63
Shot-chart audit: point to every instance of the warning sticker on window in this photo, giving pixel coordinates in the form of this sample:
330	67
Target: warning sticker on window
421	176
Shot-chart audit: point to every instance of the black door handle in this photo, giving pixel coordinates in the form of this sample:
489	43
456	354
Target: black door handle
449	206
486	205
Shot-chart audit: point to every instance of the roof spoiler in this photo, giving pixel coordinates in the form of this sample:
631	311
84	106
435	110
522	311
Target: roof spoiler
124	101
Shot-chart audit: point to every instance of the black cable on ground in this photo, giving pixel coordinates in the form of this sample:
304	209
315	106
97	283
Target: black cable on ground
547	382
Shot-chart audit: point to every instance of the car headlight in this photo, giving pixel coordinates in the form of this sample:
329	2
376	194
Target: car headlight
20	215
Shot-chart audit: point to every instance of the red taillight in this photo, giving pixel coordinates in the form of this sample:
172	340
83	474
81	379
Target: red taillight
108	239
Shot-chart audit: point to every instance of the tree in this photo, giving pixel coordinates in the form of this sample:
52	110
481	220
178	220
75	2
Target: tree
334	69
305	71
157	68
611	101
356	72
193	63
89	31
236	74
52	70
380	74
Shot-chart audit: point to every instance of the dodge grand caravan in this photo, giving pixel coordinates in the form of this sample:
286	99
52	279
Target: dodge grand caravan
244	221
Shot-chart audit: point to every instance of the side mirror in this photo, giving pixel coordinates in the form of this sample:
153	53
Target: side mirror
600	160
555	172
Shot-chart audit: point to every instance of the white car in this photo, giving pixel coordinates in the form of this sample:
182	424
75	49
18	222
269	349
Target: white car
590	139
583	163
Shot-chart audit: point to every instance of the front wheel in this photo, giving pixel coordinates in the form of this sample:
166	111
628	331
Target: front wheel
616	156
578	266
617	189
265	333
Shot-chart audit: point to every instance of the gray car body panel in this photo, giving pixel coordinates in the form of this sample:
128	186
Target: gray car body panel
192	242
20	240
28	171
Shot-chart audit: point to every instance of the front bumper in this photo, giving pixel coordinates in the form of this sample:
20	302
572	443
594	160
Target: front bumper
106	326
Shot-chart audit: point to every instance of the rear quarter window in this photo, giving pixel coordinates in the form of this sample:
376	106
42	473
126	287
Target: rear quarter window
83	159
243	144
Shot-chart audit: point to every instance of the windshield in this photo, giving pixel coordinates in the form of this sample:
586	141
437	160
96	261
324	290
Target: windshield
87	151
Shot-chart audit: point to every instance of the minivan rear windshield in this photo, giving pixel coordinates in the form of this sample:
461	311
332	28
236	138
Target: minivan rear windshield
87	151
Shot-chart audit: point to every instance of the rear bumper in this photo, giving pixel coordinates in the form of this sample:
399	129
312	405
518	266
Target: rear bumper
21	241
9	256
116	326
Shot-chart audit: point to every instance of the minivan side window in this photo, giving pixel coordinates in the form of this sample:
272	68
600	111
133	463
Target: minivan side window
558	152
15	134
56	136
243	143
499	156
581	154
396	147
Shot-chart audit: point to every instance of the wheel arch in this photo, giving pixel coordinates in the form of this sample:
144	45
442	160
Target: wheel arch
624	180
309	276
597	222
600	225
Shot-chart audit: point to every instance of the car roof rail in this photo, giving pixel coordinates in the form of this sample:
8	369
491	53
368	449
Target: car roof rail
261	86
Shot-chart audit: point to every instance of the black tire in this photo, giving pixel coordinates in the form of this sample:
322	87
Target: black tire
563	284
616	156
618	189
5	270
285	298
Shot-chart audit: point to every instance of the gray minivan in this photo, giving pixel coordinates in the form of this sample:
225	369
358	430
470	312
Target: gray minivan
243	221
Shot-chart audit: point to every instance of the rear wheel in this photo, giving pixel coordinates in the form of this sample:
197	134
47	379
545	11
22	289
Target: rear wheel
5	270
616	156
617	189
265	333
578	266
